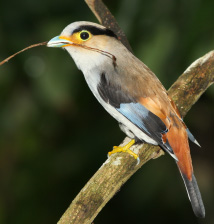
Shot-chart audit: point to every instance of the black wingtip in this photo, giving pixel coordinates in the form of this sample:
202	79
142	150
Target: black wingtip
194	196
192	138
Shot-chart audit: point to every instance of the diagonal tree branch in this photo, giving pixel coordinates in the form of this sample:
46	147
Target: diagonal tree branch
120	167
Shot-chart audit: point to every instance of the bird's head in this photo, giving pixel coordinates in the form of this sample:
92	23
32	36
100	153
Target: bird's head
89	44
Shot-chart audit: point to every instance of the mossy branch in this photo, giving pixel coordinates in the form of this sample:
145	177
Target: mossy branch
121	166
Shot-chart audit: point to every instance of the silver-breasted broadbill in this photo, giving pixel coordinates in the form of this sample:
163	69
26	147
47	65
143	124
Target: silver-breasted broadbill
131	93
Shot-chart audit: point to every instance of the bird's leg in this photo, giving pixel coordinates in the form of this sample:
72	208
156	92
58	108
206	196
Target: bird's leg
125	148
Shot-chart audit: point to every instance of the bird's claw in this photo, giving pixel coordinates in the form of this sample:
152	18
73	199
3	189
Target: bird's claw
125	148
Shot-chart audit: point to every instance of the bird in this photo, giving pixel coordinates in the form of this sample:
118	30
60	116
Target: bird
132	94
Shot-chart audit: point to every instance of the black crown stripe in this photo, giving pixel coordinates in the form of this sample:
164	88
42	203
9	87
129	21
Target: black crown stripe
96	31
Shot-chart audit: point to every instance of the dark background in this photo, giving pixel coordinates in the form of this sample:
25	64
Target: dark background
54	135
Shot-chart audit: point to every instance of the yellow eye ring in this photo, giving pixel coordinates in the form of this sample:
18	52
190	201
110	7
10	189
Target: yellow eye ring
84	35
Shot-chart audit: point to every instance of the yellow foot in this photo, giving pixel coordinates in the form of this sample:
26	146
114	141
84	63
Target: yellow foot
125	148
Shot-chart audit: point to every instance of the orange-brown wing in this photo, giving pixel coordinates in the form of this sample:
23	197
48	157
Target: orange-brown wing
177	135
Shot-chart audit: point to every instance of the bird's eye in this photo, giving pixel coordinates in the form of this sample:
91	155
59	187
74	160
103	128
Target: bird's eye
84	35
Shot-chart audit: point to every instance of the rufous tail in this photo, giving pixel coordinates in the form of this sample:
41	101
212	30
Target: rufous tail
178	140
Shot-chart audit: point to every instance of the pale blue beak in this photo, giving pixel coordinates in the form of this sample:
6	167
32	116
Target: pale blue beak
58	42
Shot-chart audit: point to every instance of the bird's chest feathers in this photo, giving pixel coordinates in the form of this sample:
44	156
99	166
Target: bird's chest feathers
92	78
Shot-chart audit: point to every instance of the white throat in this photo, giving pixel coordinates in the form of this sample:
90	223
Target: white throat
87	60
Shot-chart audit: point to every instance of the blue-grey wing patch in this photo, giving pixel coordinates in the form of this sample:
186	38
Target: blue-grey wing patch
148	122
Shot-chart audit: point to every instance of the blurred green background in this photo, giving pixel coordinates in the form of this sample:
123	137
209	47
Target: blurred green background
54	135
